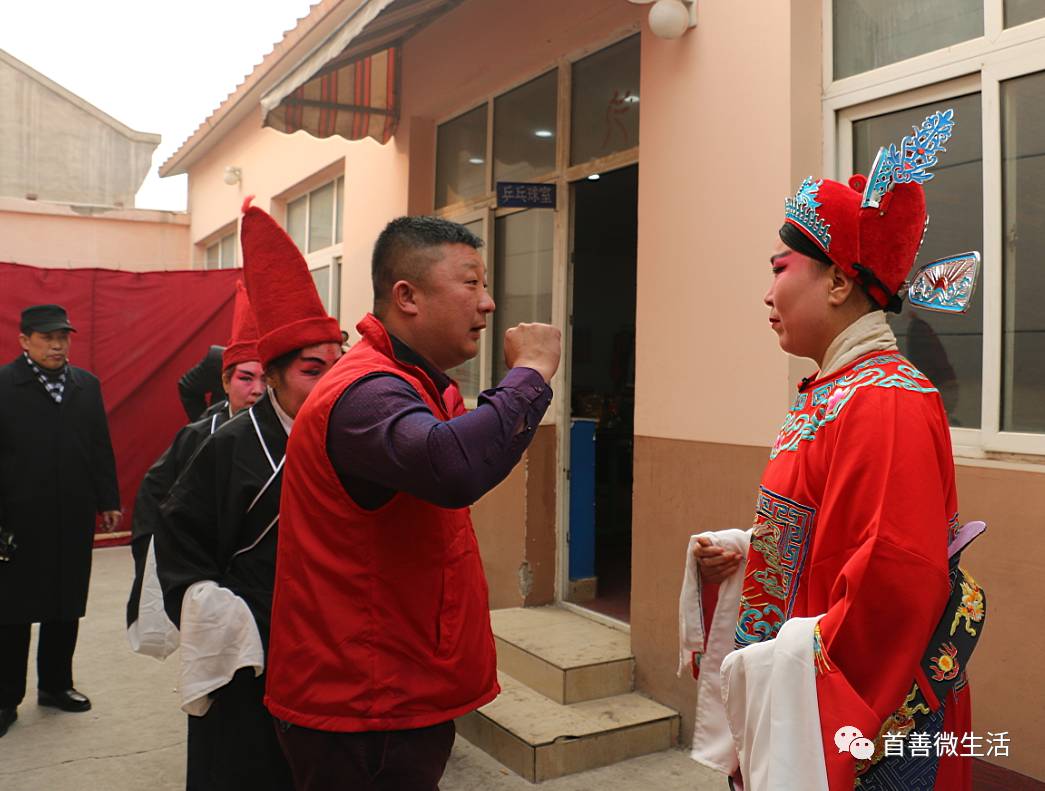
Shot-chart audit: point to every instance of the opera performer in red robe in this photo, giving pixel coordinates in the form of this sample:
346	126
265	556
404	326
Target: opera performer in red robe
835	631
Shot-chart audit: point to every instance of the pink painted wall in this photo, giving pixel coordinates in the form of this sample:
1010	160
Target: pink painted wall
716	164
56	235
273	163
497	44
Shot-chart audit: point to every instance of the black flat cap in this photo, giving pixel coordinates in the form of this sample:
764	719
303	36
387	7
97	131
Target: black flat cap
45	318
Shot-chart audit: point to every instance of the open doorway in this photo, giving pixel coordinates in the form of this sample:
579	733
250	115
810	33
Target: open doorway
602	390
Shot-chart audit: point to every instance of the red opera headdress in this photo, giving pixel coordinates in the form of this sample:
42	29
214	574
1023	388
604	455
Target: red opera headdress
243	344
287	307
871	228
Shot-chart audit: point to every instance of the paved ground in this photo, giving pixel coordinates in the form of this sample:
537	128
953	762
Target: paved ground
134	737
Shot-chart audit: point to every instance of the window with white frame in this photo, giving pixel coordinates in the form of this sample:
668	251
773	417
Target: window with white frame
985	59
314	221
873	33
519	134
327	278
221	254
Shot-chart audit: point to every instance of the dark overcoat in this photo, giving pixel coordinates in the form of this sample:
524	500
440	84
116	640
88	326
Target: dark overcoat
57	472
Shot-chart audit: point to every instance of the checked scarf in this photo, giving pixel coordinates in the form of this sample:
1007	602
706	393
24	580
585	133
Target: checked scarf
55	387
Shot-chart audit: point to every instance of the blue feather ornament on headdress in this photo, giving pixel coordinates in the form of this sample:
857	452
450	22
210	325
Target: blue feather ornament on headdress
912	161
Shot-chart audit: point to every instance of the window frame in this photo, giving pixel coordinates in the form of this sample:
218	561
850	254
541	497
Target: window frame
979	65
332	255
215	239
336	208
562	176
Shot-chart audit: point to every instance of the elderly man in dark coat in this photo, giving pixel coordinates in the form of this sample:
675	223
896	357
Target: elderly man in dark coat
57	473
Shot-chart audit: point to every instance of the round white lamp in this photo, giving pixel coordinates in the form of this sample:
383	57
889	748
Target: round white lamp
669	19
232	175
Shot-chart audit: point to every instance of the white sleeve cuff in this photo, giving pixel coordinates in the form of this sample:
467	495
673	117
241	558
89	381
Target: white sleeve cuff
218	637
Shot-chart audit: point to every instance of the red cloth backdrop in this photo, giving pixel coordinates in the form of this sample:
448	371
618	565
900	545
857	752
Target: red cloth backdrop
138	332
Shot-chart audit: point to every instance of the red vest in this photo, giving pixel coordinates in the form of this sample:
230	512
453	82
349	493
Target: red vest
380	619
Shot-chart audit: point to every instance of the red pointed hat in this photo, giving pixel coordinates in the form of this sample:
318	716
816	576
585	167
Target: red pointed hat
871	228
287	307
243	345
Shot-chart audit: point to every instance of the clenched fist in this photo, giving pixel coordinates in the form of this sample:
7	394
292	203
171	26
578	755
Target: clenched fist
537	346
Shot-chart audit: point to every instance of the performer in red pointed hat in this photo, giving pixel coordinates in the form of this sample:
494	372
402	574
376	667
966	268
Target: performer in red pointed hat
216	549
843	624
149	630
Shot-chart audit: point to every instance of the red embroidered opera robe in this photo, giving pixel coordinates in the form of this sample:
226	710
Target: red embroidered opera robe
853	518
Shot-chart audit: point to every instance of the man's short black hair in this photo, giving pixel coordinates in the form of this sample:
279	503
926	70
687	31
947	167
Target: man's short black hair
403	251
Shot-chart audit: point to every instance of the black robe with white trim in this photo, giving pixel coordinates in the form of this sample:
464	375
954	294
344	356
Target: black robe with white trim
219	520
155	487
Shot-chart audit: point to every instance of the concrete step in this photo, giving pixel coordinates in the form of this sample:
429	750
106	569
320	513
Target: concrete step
562	655
540	739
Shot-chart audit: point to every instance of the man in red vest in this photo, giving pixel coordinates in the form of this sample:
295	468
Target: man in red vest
380	622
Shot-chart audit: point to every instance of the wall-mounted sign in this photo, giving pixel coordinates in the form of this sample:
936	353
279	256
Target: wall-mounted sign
511	194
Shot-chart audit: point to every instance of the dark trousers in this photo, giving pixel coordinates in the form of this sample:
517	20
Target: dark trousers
233	746
199	755
411	760
54	658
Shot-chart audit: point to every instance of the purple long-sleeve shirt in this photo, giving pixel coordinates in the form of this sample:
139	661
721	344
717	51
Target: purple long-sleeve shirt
382	438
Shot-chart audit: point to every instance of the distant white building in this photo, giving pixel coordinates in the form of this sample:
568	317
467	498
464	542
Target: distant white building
68	176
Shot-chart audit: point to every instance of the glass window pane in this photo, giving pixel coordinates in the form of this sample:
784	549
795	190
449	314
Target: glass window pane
297	213
1019	11
460	158
946	348
1023	217
522	276
321	277
467	374
321	218
228	252
604	116
214	256
873	33
339	210
524	130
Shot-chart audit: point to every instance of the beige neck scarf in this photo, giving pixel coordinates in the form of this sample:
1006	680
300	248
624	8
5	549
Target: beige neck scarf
869	333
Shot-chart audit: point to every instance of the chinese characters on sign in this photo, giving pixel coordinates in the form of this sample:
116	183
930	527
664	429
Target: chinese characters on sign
517	194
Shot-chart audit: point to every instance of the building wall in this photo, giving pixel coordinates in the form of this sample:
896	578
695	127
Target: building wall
515	525
1007	561
273	164
58	235
681	487
57	147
